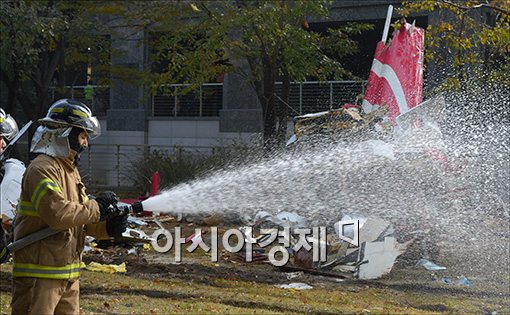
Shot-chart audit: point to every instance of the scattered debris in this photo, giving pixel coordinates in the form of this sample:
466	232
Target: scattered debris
343	122
374	257
291	219
136	221
92	249
427	264
293	275
283	219
296	286
133	251
160	218
462	281
94	266
136	235
376	254
375	229
195	238
379	257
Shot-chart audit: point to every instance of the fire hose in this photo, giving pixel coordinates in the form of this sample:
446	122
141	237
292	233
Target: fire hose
135	207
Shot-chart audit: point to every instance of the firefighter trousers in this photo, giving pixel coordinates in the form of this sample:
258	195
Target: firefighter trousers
45	296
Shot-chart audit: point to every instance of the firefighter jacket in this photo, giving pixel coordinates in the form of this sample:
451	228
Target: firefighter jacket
52	194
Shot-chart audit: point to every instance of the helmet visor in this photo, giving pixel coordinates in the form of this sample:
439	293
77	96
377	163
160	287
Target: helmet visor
91	125
8	127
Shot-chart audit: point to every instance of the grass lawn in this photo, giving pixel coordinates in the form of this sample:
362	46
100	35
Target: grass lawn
199	286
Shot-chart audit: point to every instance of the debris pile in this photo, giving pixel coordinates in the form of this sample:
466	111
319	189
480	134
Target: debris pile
344	123
364	248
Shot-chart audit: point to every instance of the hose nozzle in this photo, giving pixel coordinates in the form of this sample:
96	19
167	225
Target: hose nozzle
135	207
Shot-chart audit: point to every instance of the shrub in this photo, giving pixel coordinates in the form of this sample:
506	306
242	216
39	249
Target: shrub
184	165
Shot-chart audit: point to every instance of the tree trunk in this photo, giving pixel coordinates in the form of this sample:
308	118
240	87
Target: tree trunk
283	108
267	101
12	86
12	92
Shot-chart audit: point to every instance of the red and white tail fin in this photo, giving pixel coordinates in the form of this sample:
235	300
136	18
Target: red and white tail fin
396	77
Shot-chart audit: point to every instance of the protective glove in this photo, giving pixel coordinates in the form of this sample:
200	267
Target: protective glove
107	202
117	225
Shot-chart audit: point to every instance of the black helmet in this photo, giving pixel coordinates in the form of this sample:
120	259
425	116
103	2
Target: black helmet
71	113
8	126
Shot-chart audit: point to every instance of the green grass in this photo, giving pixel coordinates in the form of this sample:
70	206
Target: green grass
103	293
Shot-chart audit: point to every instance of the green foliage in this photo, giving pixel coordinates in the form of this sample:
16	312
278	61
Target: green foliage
193	42
262	40
476	35
217	36
40	41
25	30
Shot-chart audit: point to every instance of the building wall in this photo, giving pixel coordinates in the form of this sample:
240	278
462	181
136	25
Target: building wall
194	133
110	156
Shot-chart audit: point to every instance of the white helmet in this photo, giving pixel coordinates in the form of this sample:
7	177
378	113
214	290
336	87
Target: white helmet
8	126
51	137
67	113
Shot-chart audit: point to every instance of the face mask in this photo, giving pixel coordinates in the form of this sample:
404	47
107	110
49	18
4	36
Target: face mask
73	140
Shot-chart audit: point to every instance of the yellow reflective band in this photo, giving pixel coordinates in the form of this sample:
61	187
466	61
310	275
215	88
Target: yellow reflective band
49	272
42	189
26	208
76	112
2	120
30	274
81	114
41	267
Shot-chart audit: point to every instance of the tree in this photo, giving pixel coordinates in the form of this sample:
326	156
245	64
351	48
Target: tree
264	41
197	41
39	41
475	34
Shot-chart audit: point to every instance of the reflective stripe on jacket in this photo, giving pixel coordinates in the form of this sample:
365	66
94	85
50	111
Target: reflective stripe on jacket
53	195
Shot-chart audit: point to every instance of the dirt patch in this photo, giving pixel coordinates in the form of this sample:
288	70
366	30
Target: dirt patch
193	272
433	307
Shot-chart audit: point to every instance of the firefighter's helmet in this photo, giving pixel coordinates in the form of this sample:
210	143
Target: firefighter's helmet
8	126
71	113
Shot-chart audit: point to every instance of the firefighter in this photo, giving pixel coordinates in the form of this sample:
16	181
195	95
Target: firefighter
8	129
46	273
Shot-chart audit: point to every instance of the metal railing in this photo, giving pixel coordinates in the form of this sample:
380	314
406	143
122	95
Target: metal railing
315	96
305	97
104	165
205	102
101	96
